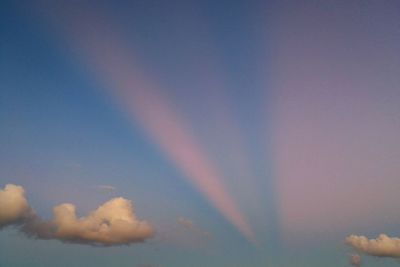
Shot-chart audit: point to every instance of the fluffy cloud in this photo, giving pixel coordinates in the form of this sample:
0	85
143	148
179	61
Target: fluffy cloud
383	246
355	260
112	223
13	205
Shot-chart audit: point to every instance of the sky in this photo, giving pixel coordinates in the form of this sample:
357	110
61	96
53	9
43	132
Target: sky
199	133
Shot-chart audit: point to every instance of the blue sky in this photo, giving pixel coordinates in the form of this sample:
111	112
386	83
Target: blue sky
272	126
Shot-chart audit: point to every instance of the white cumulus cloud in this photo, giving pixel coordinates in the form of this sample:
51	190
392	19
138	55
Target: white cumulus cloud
383	246
112	223
13	205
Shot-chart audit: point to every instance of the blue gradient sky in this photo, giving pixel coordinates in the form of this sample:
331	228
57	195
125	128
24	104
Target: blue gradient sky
295	106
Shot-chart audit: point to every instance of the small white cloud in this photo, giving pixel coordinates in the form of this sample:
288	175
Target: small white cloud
106	188
383	246
193	227
13	205
185	222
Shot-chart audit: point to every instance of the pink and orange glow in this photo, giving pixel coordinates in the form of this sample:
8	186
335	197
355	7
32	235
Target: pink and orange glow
114	64
336	128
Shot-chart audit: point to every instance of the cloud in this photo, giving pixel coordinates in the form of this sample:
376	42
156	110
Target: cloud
106	188
14	207
113	223
383	246
190	225
35	227
355	260
185	222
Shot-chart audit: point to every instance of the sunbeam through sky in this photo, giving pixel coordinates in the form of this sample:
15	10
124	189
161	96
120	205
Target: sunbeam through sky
199	133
